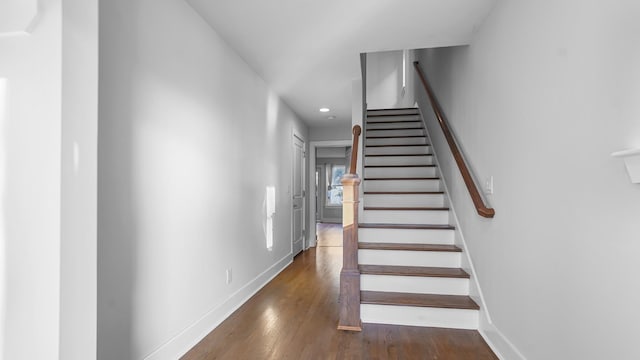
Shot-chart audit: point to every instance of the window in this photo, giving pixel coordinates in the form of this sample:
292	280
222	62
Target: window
334	186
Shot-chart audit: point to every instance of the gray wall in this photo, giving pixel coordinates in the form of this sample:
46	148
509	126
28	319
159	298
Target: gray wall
539	100
189	138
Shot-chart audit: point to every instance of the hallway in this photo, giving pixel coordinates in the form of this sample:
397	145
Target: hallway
295	317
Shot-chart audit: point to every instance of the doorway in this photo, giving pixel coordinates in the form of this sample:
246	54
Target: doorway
325	187
298	195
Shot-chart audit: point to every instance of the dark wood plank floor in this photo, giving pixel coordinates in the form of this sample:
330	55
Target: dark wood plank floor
295	317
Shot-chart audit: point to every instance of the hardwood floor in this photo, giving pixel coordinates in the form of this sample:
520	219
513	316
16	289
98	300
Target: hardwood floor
295	317
329	234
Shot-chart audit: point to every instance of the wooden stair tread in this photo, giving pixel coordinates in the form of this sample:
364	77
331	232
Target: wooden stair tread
422	300
393	121
408	247
404	192
408	128
406	208
397	166
395	145
399	155
391	109
424	271
403	178
406	226
396	137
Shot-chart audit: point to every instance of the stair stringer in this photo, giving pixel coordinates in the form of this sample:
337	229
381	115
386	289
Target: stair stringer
499	343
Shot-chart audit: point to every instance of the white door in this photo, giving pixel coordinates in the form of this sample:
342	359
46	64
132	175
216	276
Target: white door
299	193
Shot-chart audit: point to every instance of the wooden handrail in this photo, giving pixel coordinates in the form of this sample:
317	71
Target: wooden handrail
357	130
478	202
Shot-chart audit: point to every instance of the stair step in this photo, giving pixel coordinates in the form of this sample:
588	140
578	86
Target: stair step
397	137
419	316
394	119
409	254
414	279
398	132
407	216
404	140
397	166
406	208
395	145
411	171
406	226
407	235
408	247
402	184
419	159
392	112
421	300
424	271
394	125
397	150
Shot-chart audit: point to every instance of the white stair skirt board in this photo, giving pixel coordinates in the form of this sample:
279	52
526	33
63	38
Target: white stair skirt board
404	200
419	316
436	217
402	185
391	111
374	119
397	150
415	284
407	236
409	258
399	160
394	172
397	141
394	125
395	132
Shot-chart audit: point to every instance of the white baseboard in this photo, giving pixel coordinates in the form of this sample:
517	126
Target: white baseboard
189	337
501	346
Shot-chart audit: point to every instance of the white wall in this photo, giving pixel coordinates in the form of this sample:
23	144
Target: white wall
189	137
539	100
78	254
384	80
327	133
30	179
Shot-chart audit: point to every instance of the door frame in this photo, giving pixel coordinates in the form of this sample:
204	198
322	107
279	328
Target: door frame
305	197
313	145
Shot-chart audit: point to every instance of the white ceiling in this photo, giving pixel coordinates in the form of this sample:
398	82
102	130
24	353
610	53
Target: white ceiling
308	50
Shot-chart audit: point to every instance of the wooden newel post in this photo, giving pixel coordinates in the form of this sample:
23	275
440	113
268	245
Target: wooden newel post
350	274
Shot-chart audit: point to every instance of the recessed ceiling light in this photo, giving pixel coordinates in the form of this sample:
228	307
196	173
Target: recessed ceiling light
331	117
325	109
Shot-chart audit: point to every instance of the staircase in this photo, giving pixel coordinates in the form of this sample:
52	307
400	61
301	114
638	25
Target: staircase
410	268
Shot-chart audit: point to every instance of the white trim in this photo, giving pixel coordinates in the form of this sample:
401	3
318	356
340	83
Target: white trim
499	343
312	187
305	240
186	339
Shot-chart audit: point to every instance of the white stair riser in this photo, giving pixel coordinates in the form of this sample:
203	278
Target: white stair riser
394	125
399	160
439	217
391	172
407	236
419	316
395	112
408	200
415	284
395	132
402	185
409	258
398	141
397	150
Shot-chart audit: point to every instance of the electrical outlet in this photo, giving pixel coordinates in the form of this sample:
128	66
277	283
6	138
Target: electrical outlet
488	186
229	276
